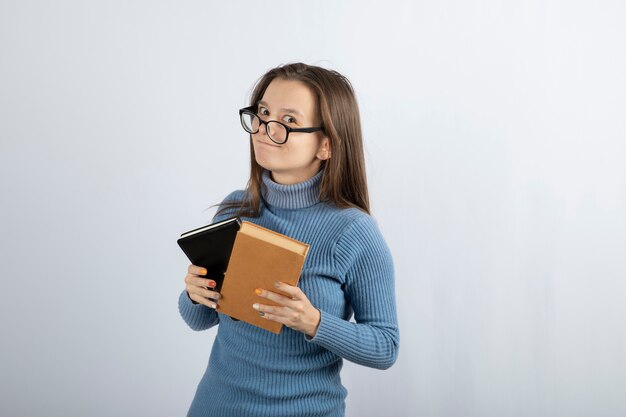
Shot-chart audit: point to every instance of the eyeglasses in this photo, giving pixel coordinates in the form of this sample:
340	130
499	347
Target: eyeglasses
277	131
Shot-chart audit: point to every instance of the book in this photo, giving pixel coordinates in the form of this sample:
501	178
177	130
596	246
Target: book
242	256
259	258
210	247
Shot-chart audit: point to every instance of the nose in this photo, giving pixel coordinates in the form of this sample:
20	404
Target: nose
262	128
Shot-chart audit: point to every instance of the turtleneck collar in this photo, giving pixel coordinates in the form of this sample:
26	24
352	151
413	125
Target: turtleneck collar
295	196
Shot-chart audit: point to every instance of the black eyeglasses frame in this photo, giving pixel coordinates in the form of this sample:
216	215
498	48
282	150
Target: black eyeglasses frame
253	111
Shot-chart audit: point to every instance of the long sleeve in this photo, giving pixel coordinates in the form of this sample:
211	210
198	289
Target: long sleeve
363	260
348	272
197	316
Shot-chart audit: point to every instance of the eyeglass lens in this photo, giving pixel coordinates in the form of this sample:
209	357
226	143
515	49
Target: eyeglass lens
275	130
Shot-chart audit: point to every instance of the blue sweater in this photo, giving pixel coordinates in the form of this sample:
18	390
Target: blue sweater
348	272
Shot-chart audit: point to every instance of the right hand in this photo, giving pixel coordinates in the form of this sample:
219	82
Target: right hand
199	289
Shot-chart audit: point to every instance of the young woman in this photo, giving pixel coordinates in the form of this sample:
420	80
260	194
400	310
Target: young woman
308	182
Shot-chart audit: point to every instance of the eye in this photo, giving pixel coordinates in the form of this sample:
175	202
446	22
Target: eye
289	119
263	111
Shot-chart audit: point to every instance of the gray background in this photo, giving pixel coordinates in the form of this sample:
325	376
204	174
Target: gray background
495	144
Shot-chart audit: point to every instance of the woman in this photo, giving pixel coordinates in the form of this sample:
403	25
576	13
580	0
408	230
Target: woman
308	182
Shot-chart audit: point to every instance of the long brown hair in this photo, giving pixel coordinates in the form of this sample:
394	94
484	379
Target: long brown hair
344	181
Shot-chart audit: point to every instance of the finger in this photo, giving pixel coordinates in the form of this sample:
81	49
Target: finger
294	293
269	316
290	320
199	282
286	314
196	270
267	309
277	298
203	292
270	312
201	300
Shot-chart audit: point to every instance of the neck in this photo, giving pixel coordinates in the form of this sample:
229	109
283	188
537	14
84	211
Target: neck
289	177
291	196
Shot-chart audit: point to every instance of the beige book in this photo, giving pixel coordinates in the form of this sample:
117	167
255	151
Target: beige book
260	257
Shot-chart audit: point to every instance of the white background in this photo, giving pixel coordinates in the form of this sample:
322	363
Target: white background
495	143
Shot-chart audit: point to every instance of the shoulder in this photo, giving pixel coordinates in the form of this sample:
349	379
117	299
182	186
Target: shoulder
335	222
356	222
356	231
229	205
235	196
361	245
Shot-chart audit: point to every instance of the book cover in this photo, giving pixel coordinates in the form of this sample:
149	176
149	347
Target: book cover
210	247
259	258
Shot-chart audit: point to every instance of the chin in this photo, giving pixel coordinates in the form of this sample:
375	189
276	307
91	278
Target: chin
266	164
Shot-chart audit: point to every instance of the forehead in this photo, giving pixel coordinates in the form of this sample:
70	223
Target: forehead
290	94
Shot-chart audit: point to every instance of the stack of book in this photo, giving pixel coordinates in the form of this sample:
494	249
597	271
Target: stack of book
242	256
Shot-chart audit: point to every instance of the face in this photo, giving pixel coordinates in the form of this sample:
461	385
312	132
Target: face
293	104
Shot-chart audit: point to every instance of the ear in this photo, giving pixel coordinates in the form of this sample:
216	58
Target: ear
323	152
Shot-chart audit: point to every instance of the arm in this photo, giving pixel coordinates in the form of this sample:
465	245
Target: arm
363	258
199	316
364	265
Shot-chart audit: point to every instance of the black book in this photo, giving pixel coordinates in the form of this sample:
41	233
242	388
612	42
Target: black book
210	247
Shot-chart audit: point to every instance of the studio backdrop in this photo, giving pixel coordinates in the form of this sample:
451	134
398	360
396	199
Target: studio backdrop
495	147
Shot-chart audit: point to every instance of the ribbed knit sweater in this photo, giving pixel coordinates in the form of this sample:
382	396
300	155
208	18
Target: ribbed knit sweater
348	273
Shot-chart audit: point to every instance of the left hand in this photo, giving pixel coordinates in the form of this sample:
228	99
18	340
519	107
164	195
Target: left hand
294	311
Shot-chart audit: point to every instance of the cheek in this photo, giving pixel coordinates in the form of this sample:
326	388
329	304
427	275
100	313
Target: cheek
303	150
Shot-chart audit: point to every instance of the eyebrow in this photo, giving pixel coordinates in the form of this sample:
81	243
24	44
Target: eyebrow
294	111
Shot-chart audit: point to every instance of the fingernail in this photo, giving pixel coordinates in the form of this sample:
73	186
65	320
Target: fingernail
258	291
203	271
277	284
213	305
255	306
211	283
